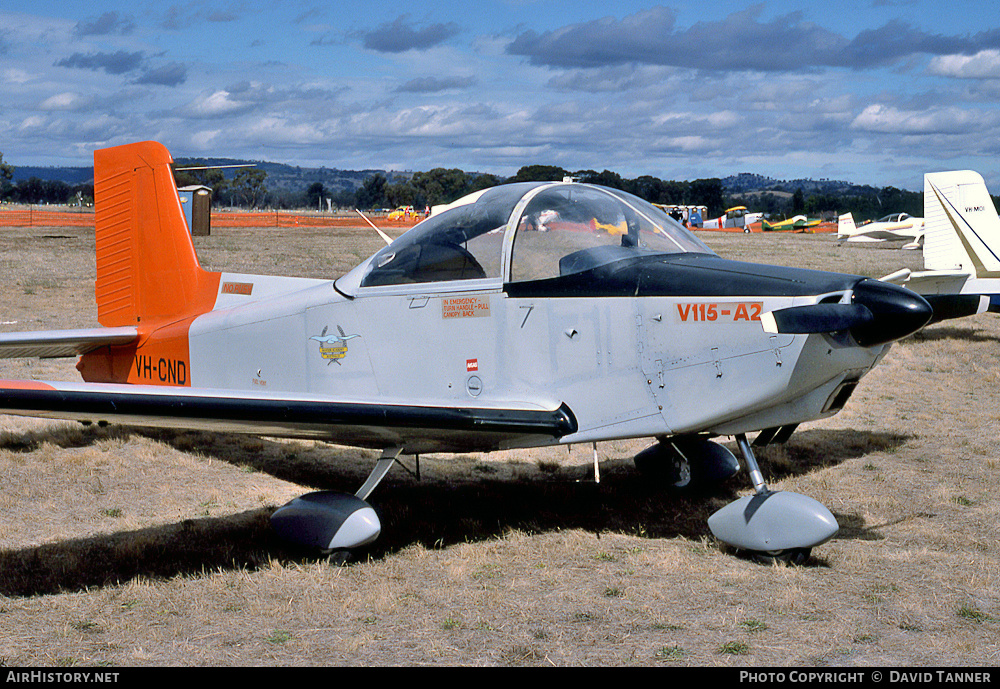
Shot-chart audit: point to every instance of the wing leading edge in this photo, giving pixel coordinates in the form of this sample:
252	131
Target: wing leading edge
416	428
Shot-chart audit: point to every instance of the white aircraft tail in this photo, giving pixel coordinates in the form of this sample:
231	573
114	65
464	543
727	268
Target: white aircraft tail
845	226
961	227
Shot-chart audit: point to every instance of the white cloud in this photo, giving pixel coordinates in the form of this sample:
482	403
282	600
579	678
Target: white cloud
62	101
886	119
205	140
15	76
215	104
983	65
34	122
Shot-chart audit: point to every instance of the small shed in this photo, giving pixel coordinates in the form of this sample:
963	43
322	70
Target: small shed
196	201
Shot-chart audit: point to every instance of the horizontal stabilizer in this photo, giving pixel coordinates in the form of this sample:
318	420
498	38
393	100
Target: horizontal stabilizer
62	343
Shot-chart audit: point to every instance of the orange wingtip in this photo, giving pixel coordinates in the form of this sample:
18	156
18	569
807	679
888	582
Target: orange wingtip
24	385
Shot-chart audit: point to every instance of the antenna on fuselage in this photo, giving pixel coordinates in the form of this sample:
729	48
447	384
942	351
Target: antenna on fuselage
214	167
383	235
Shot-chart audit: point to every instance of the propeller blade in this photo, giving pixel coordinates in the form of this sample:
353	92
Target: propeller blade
879	313
816	318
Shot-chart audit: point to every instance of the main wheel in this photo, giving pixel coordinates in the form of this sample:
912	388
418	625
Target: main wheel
791	556
672	470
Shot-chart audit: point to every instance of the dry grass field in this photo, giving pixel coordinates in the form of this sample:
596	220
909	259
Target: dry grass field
123	547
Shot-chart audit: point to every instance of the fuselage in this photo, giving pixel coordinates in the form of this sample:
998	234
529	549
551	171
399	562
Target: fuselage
527	297
668	360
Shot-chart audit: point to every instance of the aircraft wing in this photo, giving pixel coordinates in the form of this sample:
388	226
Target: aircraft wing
951	293
60	343
880	234
416	428
930	281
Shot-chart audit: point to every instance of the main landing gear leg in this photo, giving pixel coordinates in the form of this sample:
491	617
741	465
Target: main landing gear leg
773	526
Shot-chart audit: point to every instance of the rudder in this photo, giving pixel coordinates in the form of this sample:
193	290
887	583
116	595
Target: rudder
147	268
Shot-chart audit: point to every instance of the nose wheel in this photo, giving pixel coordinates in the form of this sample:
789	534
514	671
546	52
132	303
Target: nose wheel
772	526
790	556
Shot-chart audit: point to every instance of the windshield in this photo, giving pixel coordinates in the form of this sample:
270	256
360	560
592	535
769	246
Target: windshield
570	228
462	243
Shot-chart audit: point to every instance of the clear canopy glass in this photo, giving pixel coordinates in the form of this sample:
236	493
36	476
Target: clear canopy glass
557	229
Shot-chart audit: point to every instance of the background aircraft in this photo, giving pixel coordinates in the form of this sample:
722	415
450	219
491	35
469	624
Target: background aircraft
514	319
961	273
895	227
733	218
796	223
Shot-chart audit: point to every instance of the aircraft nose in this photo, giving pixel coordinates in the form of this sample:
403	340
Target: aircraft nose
897	312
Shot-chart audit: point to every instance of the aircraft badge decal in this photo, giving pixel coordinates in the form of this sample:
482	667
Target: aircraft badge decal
333	348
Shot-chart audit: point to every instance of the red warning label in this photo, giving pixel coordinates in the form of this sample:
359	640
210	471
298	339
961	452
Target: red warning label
465	307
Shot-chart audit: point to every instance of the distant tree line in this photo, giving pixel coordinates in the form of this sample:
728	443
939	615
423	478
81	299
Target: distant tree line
866	203
39	191
440	186
444	186
247	188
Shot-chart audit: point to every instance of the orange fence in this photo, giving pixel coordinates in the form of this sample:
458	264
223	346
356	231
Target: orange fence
36	217
283	219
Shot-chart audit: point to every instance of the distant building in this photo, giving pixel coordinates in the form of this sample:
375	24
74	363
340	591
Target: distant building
196	201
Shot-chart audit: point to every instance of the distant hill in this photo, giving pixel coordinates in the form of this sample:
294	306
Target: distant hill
296	178
279	175
69	175
748	183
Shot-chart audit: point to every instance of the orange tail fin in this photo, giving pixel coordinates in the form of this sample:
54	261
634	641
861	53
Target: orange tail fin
147	269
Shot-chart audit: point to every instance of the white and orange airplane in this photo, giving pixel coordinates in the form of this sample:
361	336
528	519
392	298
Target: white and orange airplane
736	218
482	328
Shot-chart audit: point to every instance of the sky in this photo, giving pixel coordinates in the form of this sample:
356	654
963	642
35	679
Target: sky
869	91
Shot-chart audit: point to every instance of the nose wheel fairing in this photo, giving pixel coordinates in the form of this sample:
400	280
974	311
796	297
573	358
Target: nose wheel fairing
772	523
333	521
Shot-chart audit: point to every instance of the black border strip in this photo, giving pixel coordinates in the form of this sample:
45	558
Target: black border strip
556	423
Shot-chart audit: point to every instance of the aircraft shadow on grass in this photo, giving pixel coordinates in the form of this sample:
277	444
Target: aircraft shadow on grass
431	512
951	332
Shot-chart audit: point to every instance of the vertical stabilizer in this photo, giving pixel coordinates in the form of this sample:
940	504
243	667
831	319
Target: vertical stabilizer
962	230
845	226
147	269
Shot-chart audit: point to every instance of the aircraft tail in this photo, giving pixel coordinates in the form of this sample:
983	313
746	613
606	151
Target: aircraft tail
845	226
147	268
961	227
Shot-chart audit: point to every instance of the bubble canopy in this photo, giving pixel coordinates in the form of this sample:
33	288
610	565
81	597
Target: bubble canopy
531	231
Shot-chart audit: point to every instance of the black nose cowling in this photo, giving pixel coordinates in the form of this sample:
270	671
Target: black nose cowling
896	312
